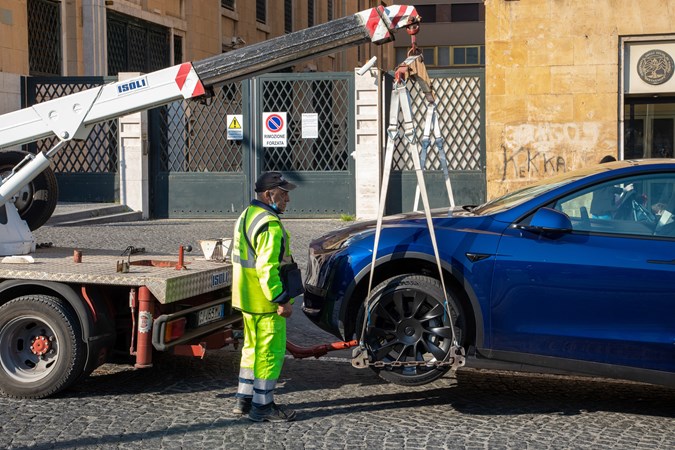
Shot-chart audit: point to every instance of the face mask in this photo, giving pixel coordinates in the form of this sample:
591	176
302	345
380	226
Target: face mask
275	207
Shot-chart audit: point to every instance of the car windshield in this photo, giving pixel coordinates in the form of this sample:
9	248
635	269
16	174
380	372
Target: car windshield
522	195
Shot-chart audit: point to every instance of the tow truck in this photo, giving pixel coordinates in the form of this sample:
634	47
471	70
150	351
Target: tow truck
64	311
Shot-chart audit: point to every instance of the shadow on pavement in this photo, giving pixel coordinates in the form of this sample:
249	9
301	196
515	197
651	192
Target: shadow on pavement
333	387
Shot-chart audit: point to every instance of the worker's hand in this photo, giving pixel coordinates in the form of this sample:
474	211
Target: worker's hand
285	310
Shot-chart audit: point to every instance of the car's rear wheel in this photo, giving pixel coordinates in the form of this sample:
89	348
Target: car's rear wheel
37	200
409	324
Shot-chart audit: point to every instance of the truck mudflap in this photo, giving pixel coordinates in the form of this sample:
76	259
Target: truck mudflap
188	325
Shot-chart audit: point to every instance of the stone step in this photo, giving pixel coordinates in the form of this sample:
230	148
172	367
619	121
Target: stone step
88	214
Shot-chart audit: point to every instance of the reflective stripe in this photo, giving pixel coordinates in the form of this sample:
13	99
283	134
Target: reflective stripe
247	263
252	231
245	382
250	253
263	391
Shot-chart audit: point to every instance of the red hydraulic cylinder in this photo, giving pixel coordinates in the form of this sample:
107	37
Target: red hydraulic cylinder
144	336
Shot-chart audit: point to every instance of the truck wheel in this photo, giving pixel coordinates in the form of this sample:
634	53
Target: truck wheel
41	349
408	324
37	200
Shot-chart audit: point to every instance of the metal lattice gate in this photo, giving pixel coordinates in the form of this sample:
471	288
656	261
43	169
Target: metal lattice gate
196	171
86	171
321	166
460	95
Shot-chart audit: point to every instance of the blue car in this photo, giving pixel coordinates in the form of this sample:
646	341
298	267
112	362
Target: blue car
575	273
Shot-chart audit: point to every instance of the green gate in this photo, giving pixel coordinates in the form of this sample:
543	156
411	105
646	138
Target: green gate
460	95
196	171
321	167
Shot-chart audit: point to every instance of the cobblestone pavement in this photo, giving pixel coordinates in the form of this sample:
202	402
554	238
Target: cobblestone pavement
186	403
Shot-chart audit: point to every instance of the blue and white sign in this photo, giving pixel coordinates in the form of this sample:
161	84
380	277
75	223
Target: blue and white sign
274	129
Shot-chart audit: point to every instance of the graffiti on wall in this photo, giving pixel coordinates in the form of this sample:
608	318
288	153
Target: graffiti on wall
532	151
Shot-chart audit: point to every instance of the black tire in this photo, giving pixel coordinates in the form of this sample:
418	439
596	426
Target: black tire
35	202
33	324
408	323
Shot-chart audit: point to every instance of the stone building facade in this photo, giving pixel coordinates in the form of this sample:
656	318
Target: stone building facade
567	84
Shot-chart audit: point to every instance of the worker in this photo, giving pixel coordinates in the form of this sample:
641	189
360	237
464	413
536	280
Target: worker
261	249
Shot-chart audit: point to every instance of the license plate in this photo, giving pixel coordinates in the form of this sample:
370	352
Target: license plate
210	314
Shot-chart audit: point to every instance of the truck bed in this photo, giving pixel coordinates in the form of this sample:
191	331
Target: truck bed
100	267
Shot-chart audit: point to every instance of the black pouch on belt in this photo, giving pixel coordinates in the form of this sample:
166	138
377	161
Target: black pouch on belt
291	278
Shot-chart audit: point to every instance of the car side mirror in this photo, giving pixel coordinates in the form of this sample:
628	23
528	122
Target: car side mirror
548	221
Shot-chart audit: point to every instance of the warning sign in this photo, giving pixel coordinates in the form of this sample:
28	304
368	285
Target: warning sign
235	131
274	129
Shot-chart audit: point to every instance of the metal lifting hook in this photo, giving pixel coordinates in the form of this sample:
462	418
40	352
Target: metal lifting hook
412	29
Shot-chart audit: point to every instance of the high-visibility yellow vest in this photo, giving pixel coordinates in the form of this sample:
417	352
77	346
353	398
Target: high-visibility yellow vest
256	284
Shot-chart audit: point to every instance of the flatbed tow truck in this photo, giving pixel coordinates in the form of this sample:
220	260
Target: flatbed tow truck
64	311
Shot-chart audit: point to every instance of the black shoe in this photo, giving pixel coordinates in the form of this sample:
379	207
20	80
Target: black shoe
242	405
272	413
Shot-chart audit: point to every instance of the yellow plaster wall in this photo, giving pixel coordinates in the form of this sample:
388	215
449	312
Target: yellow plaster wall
203	37
552	82
13	37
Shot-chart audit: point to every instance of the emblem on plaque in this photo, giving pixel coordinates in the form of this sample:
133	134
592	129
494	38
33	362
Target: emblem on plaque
655	67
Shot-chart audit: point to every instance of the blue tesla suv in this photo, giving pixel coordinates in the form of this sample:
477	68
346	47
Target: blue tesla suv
575	273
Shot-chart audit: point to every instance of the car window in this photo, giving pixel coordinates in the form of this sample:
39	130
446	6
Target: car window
638	205
522	195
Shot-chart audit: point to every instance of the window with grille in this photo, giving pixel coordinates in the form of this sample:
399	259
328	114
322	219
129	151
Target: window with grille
458	12
136	45
288	16
177	49
229	4
428	13
261	11
465	12
468	56
310	13
443	56
44	37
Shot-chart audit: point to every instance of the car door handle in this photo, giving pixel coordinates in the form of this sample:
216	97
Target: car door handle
661	261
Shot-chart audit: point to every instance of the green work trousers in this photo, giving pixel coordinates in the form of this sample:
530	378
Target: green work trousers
262	356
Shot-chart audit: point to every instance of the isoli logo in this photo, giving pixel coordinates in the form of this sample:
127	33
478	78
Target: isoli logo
218	279
132	85
274	123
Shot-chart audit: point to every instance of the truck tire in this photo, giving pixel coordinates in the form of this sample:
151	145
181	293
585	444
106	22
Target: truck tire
37	200
408	324
41	348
